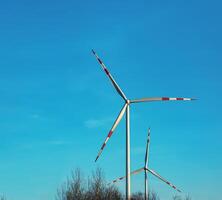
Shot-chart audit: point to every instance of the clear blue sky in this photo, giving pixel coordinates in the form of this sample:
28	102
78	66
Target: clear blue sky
57	105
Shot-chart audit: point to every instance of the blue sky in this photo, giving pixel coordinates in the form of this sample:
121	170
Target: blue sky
57	105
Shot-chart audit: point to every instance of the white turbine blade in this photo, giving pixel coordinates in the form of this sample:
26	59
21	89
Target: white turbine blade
161	99
147	149
132	173
162	179
118	119
110	76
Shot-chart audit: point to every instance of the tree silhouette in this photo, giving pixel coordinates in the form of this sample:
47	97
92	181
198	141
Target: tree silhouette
96	188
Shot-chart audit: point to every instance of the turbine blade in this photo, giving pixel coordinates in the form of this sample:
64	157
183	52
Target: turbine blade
110	76
161	99
162	179
132	173
118	119
147	149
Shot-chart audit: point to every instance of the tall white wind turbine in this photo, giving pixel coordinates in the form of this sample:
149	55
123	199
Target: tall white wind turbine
147	170
126	108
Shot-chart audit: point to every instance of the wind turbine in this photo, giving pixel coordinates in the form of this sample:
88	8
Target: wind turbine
126	108
146	169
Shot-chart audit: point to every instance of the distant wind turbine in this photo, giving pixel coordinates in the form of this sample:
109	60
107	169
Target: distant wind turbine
146	169
126	108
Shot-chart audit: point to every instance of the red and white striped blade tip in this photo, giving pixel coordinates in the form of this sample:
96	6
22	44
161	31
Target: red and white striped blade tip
93	52
117	121
100	151
116	86
104	144
177	99
147	99
96	158
133	172
163	179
